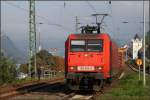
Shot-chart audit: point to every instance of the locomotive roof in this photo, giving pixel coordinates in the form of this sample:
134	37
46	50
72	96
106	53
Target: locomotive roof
88	36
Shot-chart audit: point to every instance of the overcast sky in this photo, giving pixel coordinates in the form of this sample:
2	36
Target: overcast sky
15	16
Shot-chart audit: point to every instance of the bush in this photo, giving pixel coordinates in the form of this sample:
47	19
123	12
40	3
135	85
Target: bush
7	71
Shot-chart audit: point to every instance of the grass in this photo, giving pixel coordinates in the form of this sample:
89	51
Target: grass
129	88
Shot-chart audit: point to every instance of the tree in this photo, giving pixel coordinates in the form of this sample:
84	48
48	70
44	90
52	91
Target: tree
8	71
147	38
24	68
46	60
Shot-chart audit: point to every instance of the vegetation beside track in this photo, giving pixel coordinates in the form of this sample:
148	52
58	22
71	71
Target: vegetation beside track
22	82
9	71
128	88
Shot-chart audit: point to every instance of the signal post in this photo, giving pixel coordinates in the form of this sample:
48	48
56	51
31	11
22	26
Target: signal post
139	63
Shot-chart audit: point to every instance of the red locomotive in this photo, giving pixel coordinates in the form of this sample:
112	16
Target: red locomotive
90	59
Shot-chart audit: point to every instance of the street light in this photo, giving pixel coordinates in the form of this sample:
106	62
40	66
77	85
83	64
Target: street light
0	45
144	78
40	47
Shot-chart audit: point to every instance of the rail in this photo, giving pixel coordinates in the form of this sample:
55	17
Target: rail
28	87
133	67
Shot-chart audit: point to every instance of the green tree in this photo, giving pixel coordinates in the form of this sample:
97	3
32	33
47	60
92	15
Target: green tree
147	40
7	71
24	68
44	58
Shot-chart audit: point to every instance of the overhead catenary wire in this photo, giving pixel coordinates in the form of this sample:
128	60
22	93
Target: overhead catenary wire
112	17
91	6
39	16
95	11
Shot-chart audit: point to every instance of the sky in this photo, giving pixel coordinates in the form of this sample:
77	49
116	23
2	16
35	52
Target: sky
58	18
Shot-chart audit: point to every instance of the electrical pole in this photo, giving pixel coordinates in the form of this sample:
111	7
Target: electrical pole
0	45
144	78
40	46
32	36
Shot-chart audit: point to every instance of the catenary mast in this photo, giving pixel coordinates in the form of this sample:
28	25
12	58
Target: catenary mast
32	35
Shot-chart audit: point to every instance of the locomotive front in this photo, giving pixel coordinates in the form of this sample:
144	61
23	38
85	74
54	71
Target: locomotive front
86	62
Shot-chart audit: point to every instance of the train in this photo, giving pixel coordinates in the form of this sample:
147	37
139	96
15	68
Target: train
91	59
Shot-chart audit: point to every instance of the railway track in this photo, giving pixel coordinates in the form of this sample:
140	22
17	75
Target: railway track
56	91
27	88
95	95
135	68
59	91
53	90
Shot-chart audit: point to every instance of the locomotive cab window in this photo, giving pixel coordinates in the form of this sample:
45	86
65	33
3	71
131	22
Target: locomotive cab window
95	45
77	45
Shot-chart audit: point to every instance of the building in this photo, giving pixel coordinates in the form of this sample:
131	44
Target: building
136	46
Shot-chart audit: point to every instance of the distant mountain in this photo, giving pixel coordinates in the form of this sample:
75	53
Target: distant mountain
10	50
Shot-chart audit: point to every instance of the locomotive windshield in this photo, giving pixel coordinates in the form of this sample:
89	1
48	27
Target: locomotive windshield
94	45
87	45
77	45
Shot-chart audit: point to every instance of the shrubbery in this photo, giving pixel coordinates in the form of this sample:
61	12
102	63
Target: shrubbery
7	71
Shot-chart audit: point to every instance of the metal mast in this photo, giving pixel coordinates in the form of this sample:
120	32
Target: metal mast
32	35
0	45
77	22
0	42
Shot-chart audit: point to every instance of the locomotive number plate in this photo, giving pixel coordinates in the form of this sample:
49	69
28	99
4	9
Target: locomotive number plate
85	68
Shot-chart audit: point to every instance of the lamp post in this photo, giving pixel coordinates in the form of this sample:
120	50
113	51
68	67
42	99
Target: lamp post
0	46
144	78
39	31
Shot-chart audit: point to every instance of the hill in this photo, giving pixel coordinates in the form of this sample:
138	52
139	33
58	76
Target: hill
10	50
45	60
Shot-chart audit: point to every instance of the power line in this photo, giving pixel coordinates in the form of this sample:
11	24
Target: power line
48	21
92	7
112	18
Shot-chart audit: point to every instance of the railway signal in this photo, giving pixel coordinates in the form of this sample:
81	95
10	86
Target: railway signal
139	63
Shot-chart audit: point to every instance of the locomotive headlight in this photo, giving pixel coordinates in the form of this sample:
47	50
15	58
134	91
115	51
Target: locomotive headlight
99	68
73	68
